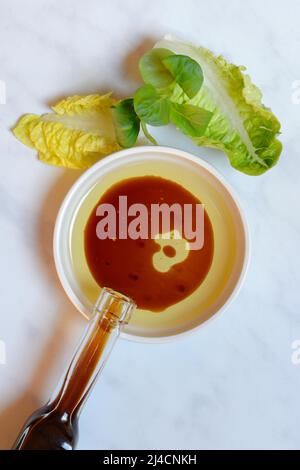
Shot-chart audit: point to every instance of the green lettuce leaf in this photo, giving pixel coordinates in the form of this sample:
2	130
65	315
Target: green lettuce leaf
152	107
78	133
153	70
191	120
126	123
241	125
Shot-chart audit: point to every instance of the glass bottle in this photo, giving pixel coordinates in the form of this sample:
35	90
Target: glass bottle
55	425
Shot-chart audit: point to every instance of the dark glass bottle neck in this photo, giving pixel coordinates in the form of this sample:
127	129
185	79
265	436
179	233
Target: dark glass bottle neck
111	312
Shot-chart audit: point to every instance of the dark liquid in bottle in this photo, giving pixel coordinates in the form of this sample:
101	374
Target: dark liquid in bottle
48	429
55	425
126	265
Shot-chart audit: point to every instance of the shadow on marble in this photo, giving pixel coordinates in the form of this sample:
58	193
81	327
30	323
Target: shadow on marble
46	222
130	64
13	417
129	74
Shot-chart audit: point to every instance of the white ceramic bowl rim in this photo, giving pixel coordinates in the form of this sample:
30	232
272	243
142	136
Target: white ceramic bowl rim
60	268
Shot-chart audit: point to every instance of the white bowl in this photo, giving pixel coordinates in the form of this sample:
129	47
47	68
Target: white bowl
231	252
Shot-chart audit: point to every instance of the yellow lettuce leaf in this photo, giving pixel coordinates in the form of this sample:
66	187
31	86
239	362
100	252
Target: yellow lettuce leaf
78	133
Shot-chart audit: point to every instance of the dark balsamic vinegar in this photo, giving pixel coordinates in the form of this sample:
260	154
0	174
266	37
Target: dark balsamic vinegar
49	429
127	265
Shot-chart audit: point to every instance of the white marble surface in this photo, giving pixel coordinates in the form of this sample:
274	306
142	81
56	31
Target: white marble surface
233	385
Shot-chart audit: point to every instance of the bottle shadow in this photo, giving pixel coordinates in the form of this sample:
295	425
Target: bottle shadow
14	415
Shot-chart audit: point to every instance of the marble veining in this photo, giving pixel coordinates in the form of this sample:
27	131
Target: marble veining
232	385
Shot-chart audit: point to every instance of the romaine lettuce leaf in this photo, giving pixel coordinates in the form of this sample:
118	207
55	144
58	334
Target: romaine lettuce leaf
77	134
241	125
